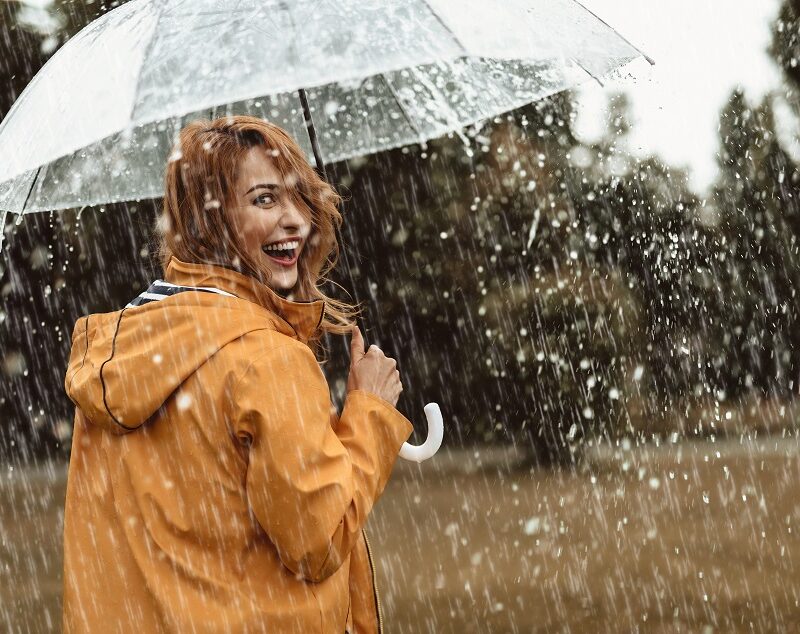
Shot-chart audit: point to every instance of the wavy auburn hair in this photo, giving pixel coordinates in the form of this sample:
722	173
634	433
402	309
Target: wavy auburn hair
195	225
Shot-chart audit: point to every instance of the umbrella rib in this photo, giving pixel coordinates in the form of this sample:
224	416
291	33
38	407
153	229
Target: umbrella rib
587	71
453	121
145	57
447	28
30	191
624	39
402	109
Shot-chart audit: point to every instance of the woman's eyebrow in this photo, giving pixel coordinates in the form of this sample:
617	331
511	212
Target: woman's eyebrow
263	186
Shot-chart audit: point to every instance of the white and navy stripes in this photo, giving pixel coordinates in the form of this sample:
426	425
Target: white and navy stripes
161	290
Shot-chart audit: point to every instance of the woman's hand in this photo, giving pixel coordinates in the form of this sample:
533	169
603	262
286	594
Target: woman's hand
372	370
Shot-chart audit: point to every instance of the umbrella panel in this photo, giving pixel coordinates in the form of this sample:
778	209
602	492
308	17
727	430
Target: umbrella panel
265	47
130	165
83	94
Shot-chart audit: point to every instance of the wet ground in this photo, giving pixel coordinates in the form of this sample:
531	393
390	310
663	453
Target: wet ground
692	537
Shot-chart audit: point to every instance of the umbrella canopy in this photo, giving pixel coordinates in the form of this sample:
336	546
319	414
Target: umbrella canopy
97	122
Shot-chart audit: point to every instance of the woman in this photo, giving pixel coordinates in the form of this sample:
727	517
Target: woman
211	487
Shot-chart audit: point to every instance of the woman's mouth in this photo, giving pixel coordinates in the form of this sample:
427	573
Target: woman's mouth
284	253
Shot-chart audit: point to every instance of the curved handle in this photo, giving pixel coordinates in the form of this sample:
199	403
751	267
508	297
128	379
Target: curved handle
418	453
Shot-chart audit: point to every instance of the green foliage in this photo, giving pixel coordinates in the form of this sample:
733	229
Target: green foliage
509	260
758	264
58	267
785	46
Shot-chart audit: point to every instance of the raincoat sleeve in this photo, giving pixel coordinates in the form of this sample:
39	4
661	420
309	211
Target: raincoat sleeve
311	486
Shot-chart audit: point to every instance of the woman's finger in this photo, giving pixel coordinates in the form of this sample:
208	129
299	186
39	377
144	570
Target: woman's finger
356	345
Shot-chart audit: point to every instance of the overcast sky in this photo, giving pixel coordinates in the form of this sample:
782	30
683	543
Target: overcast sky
702	49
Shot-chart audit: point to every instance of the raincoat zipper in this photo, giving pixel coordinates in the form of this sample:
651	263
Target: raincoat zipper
374	584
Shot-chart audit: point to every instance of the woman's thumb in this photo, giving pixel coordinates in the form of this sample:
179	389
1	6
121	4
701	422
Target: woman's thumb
356	344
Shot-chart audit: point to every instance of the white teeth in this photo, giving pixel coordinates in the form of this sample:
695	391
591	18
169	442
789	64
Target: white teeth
282	246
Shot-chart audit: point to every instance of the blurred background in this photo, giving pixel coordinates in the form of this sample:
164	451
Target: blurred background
601	294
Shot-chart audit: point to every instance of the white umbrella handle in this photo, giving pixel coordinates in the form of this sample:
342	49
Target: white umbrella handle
418	453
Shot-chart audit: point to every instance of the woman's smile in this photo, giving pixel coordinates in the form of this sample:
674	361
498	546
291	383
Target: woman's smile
284	252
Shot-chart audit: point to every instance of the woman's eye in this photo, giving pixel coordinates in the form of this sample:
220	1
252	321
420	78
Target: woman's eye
260	199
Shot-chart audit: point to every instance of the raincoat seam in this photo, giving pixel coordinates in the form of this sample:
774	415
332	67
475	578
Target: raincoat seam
259	358
85	352
349	610
321	317
253	362
319	609
317	578
102	380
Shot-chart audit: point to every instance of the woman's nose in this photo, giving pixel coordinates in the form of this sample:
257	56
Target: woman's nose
292	217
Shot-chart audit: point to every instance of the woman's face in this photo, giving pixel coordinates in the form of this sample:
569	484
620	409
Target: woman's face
272	228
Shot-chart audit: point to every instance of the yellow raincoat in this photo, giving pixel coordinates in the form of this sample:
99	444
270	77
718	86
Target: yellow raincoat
212	487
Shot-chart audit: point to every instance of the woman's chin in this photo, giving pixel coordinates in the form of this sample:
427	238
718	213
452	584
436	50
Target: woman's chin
283	278
283	281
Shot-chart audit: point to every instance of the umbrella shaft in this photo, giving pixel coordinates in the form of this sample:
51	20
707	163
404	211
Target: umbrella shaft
312	133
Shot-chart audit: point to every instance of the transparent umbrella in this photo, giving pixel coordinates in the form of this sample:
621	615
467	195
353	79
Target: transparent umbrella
96	123
345	78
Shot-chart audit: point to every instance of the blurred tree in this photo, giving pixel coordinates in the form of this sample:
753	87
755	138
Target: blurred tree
55	267
22	55
757	262
506	255
785	48
560	314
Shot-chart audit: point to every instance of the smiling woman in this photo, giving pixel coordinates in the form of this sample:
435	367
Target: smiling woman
239	187
213	486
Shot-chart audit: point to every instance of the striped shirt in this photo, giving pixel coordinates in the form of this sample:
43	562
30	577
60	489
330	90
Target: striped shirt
161	290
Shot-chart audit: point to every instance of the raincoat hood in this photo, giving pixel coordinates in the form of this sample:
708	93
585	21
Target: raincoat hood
125	364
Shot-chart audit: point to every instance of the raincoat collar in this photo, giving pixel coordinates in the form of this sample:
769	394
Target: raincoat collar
303	318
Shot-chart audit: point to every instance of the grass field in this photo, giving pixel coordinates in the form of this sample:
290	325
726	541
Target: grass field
695	537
